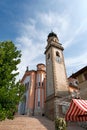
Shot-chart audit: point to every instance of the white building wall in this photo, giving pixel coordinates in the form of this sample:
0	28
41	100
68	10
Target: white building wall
27	80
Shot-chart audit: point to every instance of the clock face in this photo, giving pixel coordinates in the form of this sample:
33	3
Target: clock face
58	59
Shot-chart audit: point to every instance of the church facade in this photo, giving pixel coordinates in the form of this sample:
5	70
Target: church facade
35	91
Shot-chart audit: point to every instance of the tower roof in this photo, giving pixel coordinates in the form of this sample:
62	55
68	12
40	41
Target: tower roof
52	34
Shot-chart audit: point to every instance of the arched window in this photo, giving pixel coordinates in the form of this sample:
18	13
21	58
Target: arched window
57	53
57	56
48	56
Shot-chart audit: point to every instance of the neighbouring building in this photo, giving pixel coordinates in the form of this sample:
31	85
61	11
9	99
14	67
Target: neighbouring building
35	91
74	89
81	77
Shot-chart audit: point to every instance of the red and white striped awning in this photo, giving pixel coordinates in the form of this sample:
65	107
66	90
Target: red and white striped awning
77	110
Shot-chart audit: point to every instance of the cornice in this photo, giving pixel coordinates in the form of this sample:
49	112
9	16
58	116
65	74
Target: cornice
55	45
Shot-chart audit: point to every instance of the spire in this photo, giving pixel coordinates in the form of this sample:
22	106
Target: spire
52	34
27	69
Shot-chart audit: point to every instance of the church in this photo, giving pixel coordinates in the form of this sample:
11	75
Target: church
35	91
47	88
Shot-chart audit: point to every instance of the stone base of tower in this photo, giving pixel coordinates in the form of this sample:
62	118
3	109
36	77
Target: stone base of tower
56	107
49	109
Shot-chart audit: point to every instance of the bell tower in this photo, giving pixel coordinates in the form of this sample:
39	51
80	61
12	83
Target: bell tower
56	85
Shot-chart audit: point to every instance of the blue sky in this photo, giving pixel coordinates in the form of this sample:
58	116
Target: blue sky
28	22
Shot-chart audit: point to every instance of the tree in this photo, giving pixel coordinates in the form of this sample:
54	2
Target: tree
10	90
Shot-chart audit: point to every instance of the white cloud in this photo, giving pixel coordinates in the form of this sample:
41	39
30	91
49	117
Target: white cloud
53	20
29	42
24	41
63	25
76	32
73	64
30	51
78	60
33	34
32	40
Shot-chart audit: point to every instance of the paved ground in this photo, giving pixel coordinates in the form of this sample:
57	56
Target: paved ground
74	126
32	123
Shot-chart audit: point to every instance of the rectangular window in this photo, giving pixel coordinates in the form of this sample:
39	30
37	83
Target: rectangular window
38	97
38	103
85	75
38	77
39	84
27	85
42	84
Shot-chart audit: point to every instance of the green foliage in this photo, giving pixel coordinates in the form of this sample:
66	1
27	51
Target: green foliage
10	91
60	124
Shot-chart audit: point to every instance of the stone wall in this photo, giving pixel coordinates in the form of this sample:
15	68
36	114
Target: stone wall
54	107
49	109
83	90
